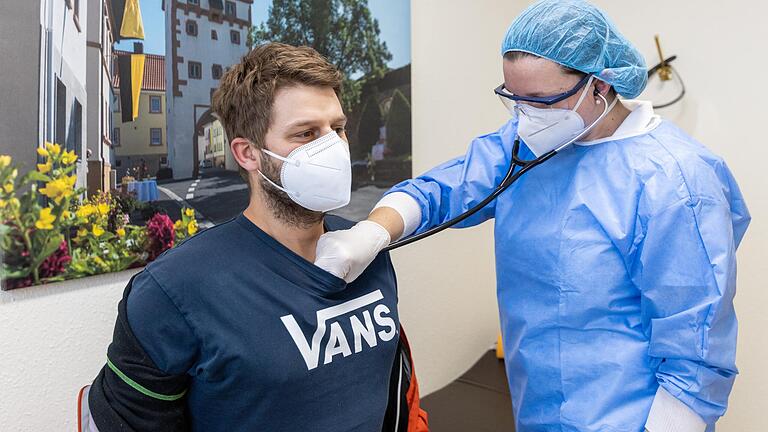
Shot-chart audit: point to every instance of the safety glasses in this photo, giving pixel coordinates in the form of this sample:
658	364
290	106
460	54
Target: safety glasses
510	99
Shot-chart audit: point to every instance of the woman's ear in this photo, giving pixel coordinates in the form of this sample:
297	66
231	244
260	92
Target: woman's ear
601	87
246	154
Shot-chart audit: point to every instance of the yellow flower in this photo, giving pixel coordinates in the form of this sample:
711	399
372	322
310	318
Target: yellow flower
69	157
45	221
100	262
5	160
82	232
43	152
66	214
192	227
14	202
14	173
53	149
103	209
3	203
8	188
85	211
177	224
58	189
44	168
121	232
189	212
98	231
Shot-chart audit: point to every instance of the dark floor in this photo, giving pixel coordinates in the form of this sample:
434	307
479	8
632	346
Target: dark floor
476	402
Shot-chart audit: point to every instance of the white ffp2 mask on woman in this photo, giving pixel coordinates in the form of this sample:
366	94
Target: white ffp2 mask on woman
545	129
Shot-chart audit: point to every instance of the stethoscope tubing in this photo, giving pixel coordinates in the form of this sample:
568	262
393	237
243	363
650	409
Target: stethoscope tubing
509	179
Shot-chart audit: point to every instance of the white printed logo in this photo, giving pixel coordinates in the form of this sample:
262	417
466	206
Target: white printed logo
337	341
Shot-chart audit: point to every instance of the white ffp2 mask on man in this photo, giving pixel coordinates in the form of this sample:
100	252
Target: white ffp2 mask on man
317	175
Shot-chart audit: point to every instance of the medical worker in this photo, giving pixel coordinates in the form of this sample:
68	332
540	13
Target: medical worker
615	259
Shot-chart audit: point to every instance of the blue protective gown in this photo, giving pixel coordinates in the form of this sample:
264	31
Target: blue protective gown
616	272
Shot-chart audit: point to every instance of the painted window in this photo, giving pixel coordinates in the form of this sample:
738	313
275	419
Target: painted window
155	136
195	70
155	105
231	9
216	71
191	27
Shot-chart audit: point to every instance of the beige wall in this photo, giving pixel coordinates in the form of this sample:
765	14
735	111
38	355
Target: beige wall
53	341
446	284
134	136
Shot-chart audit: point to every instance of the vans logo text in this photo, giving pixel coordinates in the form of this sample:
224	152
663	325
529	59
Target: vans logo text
362	325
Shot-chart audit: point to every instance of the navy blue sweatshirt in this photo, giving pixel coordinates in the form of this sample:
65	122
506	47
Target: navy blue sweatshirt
270	341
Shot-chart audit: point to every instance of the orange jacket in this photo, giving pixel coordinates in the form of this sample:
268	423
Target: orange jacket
417	417
404	413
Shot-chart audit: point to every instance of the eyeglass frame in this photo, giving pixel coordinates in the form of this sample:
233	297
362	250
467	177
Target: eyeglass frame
546	100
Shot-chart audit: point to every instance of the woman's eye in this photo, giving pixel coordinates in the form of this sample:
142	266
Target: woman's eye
341	130
306	134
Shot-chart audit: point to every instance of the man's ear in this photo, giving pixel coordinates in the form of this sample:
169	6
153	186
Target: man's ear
246	154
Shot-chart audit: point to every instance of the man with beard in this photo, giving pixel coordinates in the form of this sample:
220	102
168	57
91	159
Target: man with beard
236	328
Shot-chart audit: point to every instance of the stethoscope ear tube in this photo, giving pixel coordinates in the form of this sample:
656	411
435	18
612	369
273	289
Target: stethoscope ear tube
510	178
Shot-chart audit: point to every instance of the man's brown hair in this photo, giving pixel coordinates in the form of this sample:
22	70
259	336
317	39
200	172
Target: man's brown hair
243	101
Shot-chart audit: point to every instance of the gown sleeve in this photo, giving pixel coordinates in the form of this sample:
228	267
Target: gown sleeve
453	187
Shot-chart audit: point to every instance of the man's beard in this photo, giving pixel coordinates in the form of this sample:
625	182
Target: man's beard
279	203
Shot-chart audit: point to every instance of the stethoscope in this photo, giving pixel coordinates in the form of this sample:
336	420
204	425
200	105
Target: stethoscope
509	179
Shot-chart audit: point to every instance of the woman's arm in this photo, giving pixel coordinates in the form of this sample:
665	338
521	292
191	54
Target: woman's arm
415	205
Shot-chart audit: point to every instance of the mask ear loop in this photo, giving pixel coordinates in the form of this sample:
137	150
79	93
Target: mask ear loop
584	93
285	160
607	110
278	157
276	186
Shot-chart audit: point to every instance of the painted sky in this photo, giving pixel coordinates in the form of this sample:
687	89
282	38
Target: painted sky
394	18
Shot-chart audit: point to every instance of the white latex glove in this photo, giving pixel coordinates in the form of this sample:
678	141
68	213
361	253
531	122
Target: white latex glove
347	253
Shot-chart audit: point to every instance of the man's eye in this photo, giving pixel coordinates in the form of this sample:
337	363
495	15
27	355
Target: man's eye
340	130
306	134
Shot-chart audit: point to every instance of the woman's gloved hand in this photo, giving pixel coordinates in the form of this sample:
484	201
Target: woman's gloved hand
347	253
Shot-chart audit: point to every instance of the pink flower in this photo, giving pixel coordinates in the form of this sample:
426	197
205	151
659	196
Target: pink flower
56	263
161	235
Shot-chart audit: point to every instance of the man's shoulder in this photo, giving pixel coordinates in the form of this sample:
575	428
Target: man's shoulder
196	256
337	223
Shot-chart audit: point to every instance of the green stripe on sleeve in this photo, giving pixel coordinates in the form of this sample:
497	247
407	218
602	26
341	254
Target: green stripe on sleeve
141	389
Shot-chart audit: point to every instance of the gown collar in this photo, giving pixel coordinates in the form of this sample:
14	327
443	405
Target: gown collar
640	121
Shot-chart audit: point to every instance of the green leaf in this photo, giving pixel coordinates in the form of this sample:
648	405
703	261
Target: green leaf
126	262
37	176
16	274
50	247
58	278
